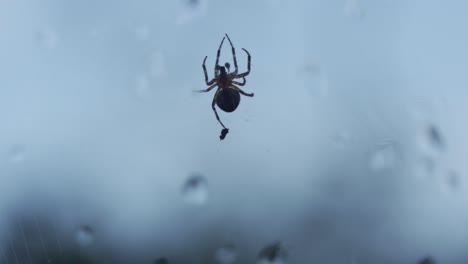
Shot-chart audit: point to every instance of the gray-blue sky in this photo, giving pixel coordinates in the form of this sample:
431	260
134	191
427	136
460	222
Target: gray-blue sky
100	127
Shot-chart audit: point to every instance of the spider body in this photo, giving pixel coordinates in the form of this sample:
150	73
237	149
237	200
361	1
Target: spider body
227	96
228	100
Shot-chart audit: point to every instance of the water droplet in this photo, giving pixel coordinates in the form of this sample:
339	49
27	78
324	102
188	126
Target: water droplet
161	261
425	167
85	236
273	254
93	32
142	32
384	157
315	80
17	154
195	190
435	137
453	180
422	110
430	139
157	64
190	10
352	9
427	260
342	138
142	86
192	3
226	254
47	38
312	69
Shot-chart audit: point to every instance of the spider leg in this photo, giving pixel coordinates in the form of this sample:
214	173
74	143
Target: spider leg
248	66
217	58
214	109
206	74
207	89
240	83
233	55
240	91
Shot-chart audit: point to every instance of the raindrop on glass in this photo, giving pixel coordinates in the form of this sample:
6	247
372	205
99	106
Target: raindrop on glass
47	38
384	157
96	32
85	236
142	86
452	178
190	10
17	154
425	167
422	110
352	9
435	137
226	254
342	138
192	3
161	261
315	80
273	254
142	32
312	69
427	260
195	190
157	64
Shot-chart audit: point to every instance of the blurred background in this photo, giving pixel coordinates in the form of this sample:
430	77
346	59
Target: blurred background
352	150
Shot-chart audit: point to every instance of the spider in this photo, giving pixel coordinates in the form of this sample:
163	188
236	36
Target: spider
227	95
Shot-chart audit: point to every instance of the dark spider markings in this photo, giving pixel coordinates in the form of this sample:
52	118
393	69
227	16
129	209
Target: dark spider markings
227	96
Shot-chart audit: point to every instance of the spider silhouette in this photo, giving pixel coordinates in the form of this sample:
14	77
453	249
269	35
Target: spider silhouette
227	96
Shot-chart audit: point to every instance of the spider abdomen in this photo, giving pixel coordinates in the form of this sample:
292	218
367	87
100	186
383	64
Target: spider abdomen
228	99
